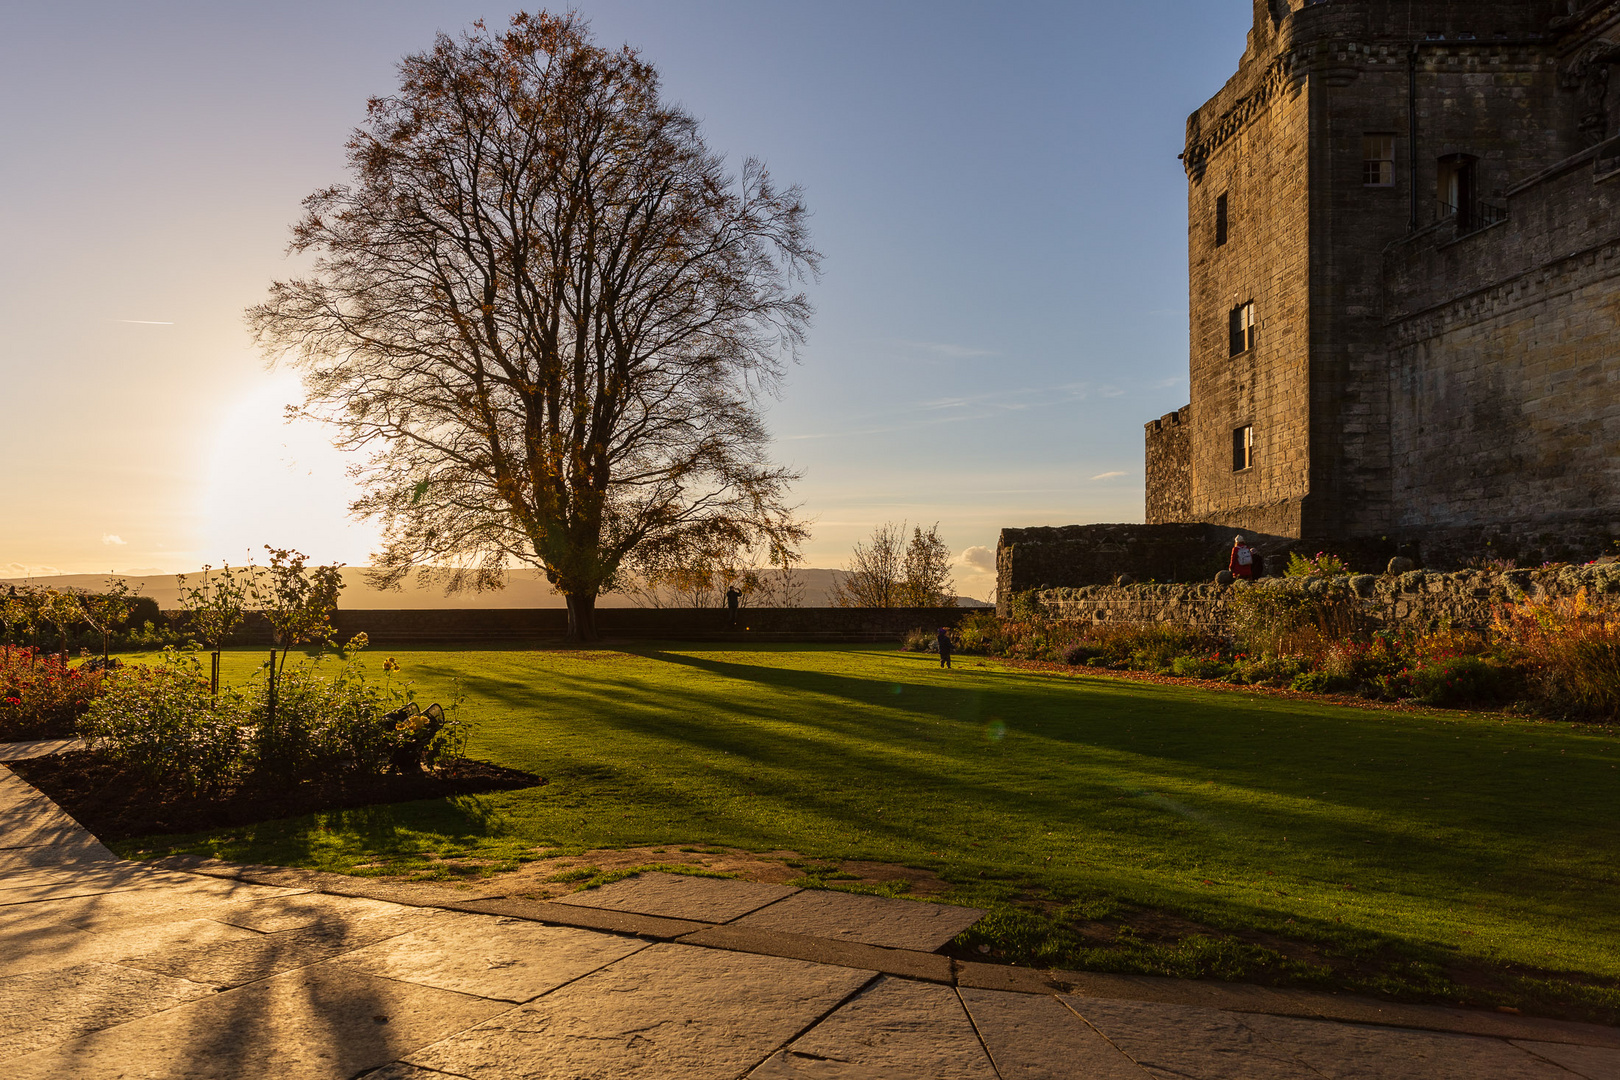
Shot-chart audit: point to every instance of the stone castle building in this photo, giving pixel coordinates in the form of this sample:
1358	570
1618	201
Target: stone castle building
1404	245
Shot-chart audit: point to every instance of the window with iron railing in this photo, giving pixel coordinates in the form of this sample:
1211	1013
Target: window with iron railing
1457	181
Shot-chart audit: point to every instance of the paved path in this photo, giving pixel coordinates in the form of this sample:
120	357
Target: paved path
195	969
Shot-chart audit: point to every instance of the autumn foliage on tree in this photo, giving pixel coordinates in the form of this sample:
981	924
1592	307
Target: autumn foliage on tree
888	570
544	311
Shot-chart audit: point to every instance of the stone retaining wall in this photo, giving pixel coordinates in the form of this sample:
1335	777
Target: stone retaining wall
1420	600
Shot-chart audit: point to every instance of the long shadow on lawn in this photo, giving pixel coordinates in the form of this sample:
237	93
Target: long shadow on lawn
1354	752
889	752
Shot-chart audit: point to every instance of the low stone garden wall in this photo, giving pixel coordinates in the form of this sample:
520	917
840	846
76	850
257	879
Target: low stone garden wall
509	625
1419	600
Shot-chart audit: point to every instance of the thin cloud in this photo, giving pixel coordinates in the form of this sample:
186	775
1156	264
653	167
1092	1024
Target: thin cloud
22	570
142	322
948	350
113	540
1108	476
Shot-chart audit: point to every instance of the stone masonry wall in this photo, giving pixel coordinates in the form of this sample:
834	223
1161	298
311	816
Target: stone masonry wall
1505	83
517	625
1077	555
1169	468
1505	418
1419	600
1263	172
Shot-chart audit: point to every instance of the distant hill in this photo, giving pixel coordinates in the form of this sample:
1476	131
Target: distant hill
524	589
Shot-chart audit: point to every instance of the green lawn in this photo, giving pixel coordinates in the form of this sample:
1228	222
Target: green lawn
1396	847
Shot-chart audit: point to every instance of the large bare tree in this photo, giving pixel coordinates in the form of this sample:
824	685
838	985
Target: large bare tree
546	312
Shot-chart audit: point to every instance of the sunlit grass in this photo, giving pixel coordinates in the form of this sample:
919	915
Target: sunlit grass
1445	835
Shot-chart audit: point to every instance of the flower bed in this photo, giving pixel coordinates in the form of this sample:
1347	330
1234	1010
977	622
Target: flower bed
42	697
1556	656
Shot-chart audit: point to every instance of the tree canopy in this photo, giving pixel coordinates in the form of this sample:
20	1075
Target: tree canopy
545	311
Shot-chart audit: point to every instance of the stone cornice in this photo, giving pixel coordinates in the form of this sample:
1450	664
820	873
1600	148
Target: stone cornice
1295	63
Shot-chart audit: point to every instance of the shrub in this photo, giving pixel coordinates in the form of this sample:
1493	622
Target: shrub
1289	619
1201	667
1321	565
162	720
1321	682
41	696
1571	650
1081	652
1269	670
979	632
918	641
1466	680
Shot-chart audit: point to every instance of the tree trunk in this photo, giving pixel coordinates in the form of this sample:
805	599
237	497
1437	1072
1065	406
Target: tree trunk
582	617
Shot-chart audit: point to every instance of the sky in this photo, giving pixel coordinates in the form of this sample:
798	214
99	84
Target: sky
995	188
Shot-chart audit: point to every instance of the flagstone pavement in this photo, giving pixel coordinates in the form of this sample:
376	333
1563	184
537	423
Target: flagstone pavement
190	968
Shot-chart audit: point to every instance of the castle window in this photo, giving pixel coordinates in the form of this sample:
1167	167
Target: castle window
1243	448
1378	160
1455	190
1220	219
1240	328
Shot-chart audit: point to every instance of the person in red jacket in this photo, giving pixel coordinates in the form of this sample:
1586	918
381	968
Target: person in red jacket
1243	559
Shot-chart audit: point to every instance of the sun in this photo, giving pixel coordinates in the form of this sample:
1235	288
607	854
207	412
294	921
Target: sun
271	482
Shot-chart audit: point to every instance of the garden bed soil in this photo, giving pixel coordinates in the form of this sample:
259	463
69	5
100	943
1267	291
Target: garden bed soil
60	729
117	803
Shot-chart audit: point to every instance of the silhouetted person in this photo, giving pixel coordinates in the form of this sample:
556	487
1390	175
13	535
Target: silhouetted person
944	646
733	598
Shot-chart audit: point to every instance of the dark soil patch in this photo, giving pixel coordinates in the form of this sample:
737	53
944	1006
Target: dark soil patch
117	803
35	730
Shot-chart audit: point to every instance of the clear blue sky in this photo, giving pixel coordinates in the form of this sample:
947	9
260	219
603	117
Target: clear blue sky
995	187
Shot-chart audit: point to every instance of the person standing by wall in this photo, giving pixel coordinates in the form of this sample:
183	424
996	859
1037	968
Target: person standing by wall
733	598
1243	559
945	646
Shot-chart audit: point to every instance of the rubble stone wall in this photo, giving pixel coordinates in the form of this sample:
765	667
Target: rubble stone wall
1419	600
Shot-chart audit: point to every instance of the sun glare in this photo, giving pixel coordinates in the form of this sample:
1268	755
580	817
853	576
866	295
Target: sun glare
271	482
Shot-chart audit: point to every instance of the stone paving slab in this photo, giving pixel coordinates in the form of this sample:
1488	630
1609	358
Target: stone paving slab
668	1011
192	899
612	922
1589	1062
893	1029
233	963
87	852
41	1009
680	896
38	748
1189	1042
275	914
1354	1051
396	892
56	945
505	959
1038	1038
929	967
870	920
61	883
1310	1004
1017	980
325	1022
